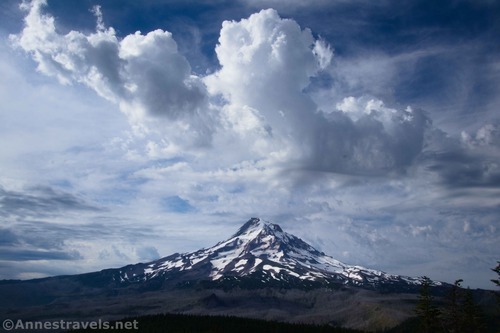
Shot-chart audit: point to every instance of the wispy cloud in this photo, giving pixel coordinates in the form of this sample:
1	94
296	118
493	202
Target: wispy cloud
40	201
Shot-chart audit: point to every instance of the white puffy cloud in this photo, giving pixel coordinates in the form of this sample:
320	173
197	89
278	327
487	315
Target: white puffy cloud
267	63
144	74
157	76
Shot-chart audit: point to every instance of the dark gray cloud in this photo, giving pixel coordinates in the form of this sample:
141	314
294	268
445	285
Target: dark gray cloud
7	237
49	235
9	254
22	243
461	169
40	201
36	241
39	241
471	162
368	145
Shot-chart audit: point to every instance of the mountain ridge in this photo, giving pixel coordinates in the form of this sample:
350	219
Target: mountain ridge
262	251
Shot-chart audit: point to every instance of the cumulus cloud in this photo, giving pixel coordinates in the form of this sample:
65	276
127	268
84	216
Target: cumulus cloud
144	74
267	63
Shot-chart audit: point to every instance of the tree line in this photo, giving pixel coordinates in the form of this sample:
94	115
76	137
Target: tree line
184	323
456	313
460	313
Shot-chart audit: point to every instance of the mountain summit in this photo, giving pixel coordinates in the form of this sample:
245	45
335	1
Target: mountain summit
261	254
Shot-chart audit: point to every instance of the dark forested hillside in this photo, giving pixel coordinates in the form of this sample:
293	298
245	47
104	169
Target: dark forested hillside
178	323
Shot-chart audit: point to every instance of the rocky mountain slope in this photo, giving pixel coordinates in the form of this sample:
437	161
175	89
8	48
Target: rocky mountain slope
259	254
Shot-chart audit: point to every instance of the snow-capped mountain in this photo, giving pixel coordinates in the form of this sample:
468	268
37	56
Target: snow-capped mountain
261	253
259	272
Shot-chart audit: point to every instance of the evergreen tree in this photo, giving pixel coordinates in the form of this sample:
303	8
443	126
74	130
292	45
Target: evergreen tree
452	320
472	321
496	270
497	282
426	310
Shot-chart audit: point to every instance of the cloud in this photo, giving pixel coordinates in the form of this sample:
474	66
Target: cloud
30	255
281	129
266	67
419	230
486	136
468	162
266	63
7	237
39	201
144	74
148	253
363	136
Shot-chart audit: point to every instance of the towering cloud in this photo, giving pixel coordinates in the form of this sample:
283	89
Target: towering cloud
266	65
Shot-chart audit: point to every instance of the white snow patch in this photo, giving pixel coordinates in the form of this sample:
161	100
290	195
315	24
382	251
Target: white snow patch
241	262
269	267
257	263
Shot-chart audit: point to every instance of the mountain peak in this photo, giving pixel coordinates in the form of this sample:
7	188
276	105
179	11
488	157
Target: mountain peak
263	251
256	225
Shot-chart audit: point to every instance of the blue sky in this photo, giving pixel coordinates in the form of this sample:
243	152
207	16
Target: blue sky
132	130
